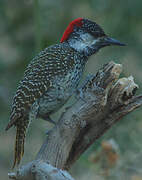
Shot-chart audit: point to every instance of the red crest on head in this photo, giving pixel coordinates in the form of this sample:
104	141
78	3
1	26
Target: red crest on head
77	22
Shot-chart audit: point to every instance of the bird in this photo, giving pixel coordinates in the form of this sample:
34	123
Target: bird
52	77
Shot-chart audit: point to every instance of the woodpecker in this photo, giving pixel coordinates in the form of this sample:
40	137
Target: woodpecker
53	75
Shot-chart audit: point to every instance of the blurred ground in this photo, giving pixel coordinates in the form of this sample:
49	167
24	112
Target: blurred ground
26	28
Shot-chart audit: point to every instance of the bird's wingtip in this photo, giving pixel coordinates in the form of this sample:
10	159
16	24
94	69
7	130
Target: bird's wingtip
9	126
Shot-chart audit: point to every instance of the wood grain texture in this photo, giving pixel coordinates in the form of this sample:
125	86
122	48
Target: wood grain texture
103	100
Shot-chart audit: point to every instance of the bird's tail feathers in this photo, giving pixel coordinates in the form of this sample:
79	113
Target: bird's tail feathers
20	139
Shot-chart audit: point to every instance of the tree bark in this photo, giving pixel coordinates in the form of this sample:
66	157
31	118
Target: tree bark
103	99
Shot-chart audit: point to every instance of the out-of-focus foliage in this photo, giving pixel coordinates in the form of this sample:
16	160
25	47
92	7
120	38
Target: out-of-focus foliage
28	26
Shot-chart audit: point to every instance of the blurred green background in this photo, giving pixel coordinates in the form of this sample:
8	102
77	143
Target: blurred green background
28	26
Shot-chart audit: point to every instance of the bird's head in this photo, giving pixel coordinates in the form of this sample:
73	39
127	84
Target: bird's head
86	36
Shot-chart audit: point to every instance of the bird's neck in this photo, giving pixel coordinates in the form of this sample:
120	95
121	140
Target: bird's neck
83	43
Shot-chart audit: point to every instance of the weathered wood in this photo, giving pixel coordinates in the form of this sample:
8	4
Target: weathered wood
38	170
104	99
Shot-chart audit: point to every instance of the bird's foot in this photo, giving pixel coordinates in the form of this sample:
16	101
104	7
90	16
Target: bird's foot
48	118
79	94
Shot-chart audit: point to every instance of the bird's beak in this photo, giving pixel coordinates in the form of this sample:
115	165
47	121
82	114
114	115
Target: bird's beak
110	41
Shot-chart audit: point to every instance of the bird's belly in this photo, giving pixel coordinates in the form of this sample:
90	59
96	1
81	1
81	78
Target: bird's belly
51	102
58	95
